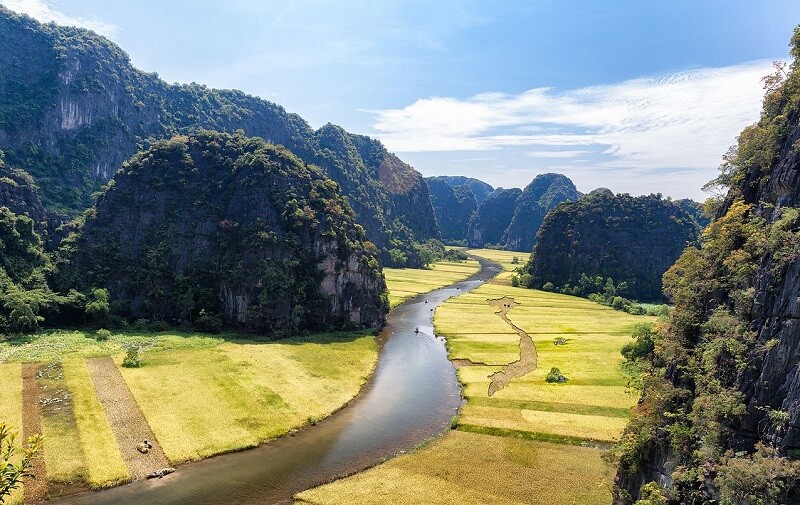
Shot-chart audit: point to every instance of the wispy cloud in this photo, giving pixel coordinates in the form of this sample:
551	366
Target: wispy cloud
43	11
682	120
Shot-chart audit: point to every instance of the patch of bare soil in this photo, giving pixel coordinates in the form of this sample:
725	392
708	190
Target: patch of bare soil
35	489
126	419
527	349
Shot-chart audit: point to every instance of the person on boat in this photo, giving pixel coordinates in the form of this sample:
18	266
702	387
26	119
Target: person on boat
416	330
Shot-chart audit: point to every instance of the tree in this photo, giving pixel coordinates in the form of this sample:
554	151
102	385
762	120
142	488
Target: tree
12	475
97	309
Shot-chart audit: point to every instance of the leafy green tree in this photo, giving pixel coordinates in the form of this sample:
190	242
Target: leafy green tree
97	309
13	474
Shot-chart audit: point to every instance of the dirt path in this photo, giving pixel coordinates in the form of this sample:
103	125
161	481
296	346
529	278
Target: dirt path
126	419
35	489
527	349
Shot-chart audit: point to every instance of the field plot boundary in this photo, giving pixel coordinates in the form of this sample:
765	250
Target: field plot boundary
35	489
126	419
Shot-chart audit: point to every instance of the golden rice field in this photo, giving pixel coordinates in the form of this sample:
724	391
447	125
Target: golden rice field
239	394
502	450
471	469
223	394
404	283
11	410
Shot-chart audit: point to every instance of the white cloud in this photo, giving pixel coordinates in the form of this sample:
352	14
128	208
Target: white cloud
41	10
683	120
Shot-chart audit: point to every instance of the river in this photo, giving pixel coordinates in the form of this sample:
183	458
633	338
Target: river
412	397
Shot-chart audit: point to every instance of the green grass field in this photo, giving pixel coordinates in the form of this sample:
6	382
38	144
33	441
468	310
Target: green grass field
404	283
502	450
222	393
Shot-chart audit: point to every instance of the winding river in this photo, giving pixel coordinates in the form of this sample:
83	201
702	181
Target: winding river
412	397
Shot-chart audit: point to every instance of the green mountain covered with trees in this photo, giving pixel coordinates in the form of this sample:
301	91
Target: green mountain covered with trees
631	240
719	417
73	109
224	227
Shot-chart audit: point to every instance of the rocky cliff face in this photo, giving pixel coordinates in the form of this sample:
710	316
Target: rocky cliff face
493	217
537	199
630	239
722	407
73	108
454	206
213	224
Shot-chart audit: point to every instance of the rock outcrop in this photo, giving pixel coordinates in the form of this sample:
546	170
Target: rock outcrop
454	206
224	225
537	199
479	188
493	217
630	239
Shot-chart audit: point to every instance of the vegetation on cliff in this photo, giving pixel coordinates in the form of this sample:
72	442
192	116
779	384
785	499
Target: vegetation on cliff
73	109
629	242
215	228
718	419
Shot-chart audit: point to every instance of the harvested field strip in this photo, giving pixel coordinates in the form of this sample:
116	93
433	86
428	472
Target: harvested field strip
104	464
570	408
533	435
35	490
125	418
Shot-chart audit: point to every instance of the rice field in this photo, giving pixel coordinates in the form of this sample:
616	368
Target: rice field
11	411
475	469
405	283
223	393
239	394
502	449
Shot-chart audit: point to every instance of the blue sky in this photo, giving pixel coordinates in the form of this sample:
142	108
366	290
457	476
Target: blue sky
637	96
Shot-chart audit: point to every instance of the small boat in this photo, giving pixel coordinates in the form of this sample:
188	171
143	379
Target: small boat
416	330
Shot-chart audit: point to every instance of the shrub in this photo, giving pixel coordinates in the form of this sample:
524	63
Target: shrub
208	321
133	358
514	281
555	376
547	286
158	325
102	334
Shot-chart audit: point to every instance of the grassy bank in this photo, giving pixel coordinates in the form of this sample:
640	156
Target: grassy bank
404	283
531	442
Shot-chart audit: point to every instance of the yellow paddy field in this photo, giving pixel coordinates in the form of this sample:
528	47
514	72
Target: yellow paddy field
404	283
200	394
531	442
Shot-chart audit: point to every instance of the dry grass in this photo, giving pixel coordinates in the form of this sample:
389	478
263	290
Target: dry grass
103	461
238	395
468	468
404	283
11	411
